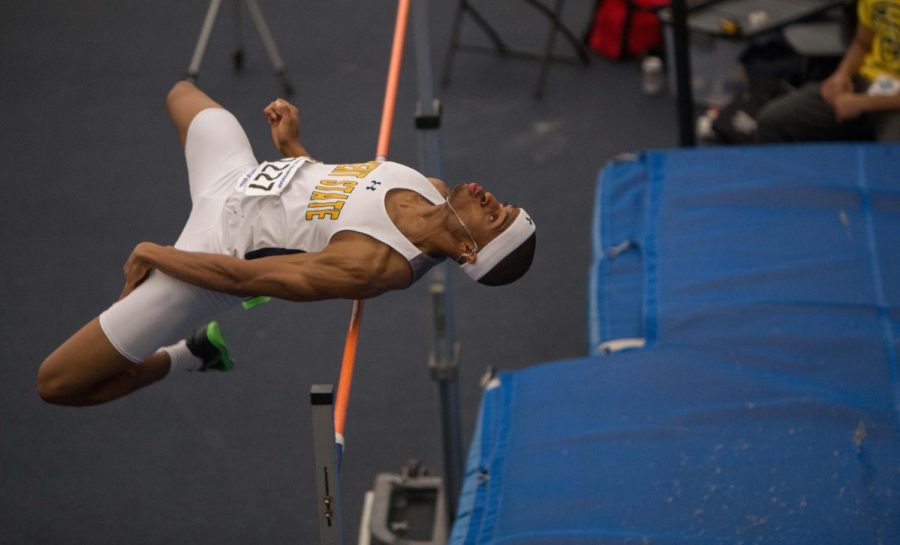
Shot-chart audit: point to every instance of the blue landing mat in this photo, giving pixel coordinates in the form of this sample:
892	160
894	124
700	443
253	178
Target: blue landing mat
676	445
688	243
764	408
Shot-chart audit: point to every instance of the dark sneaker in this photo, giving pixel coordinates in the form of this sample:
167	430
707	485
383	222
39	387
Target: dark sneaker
208	344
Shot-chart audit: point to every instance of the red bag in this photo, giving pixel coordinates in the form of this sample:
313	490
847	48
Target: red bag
625	28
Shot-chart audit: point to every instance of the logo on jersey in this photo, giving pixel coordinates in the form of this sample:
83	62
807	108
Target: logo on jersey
329	196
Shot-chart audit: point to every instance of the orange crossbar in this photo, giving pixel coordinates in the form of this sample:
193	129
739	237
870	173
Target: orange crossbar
343	393
390	92
384	142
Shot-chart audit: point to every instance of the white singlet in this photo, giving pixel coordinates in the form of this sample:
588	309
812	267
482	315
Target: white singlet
298	205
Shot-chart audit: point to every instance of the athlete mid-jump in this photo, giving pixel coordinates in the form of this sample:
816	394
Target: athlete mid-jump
294	229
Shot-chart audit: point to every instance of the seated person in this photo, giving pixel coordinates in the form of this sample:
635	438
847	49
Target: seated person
859	101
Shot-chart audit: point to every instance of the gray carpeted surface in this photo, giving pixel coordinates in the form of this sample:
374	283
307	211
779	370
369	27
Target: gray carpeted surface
91	166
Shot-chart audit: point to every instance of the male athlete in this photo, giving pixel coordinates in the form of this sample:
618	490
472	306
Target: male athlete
294	229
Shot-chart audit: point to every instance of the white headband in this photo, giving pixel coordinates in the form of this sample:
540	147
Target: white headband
487	258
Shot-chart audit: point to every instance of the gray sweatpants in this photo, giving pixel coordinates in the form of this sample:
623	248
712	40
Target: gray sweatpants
804	116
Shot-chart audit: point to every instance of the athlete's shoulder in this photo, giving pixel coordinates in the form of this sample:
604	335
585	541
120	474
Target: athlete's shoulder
402	175
400	168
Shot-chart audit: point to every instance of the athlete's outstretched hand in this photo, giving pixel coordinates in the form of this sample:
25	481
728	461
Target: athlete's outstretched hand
284	122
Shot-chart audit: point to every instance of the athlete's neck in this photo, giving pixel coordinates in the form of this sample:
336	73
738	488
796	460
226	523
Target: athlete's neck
420	221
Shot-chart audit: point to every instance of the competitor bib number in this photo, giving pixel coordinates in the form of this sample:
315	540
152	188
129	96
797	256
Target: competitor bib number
270	177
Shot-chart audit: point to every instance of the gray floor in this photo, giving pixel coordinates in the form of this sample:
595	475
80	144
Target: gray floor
91	167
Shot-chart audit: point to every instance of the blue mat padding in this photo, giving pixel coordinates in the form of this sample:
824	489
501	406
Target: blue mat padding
714	234
678	445
764	408
617	277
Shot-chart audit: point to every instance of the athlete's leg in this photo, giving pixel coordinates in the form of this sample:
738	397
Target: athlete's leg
87	370
118	352
184	101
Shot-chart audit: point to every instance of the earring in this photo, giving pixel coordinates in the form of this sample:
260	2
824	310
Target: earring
463	257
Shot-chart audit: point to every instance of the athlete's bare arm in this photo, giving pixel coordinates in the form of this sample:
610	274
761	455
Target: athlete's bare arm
353	266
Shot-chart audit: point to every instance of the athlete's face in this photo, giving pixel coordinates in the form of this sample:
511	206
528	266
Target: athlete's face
481	212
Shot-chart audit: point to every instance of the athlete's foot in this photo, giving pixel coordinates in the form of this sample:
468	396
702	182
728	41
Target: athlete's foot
208	344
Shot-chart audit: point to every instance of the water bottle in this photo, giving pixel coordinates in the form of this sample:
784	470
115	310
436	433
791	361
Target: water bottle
652	69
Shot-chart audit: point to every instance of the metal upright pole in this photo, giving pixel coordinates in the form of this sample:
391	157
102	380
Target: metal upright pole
328	487
445	349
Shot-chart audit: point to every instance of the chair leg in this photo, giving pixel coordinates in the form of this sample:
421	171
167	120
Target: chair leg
548	51
623	45
455	30
555	17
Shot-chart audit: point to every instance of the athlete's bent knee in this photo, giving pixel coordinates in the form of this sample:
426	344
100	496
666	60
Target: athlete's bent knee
50	388
55	386
179	90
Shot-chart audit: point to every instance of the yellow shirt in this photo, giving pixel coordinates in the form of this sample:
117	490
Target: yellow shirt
883	17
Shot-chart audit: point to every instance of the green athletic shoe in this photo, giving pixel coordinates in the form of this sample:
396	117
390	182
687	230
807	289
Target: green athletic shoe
208	344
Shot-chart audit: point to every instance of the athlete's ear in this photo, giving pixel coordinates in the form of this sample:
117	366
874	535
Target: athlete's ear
468	255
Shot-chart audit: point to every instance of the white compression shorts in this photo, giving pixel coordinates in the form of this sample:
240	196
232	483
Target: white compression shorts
163	310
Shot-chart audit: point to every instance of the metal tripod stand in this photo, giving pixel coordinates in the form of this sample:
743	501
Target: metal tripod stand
238	56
